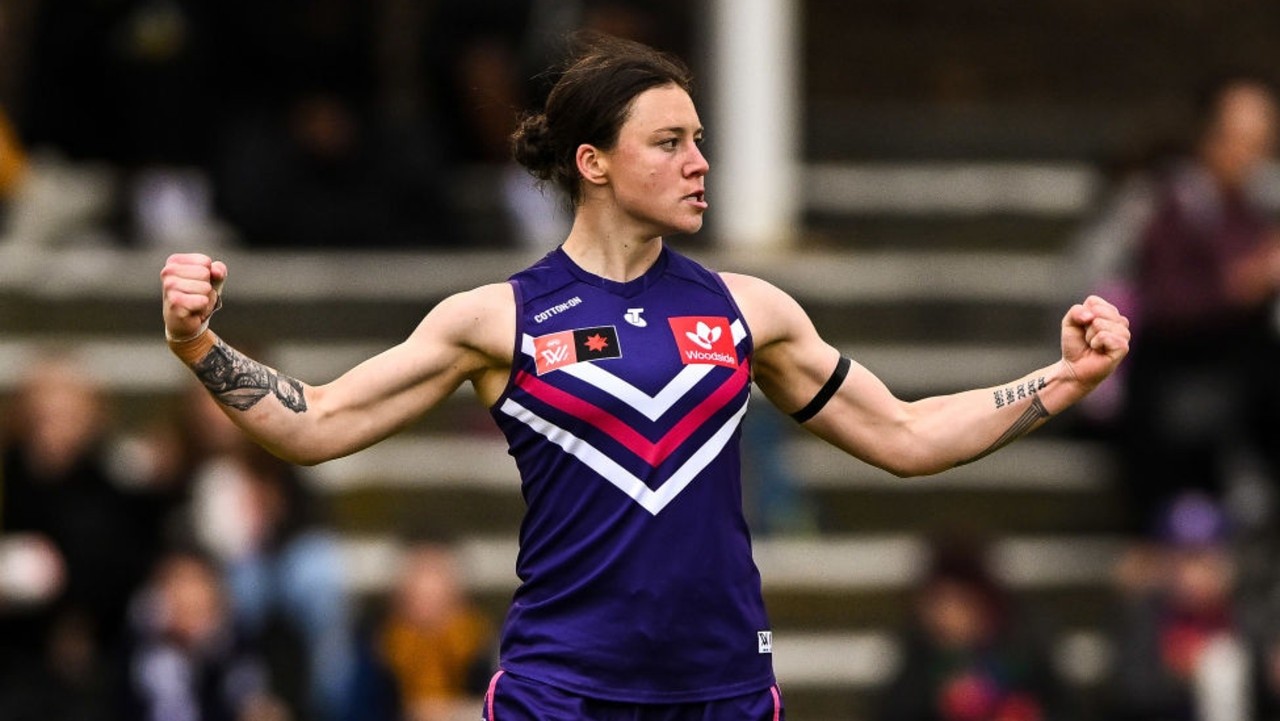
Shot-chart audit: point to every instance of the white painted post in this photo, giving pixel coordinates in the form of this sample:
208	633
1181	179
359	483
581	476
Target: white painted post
754	142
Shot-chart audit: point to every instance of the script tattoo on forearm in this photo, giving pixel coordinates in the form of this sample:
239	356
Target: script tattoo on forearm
238	381
1034	413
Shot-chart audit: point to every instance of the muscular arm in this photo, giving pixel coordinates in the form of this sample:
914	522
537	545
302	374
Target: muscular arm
867	421
466	337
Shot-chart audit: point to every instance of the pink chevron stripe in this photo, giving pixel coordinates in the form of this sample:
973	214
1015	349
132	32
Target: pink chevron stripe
652	453
493	689
777	703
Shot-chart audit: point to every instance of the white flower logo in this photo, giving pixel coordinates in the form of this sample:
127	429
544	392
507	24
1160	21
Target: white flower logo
706	335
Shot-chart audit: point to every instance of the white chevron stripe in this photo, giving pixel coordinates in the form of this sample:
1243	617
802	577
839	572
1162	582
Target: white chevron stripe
651	407
652	501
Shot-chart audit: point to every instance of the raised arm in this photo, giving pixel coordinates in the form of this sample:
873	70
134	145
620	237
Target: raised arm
862	417
468	336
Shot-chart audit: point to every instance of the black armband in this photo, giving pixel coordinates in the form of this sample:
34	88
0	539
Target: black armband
825	393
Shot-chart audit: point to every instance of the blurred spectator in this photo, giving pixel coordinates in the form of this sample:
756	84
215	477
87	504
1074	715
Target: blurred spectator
1182	649
1191	249
172	449
432	653
970	655
77	545
13	159
14	168
141	70
309	155
323	173
186	659
283	566
138	68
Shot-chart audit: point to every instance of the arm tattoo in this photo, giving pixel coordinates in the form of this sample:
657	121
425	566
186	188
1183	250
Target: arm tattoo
1034	413
238	381
1012	394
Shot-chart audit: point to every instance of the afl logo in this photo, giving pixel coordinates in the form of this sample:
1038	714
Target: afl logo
557	350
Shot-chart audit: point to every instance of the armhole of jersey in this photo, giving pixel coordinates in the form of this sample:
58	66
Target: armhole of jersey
516	343
733	303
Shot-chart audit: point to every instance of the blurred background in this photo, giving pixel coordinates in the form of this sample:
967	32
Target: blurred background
936	181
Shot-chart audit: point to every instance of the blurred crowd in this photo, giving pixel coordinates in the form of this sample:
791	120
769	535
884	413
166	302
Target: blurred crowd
1188	244
1185	240
177	571
317	124
184	573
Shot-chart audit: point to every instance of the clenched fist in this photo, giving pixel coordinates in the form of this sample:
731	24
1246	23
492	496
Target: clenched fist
1095	338
191	283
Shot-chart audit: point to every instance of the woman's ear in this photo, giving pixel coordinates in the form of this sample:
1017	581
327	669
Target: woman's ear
593	165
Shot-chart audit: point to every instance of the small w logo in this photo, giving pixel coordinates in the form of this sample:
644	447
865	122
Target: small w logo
554	356
706	335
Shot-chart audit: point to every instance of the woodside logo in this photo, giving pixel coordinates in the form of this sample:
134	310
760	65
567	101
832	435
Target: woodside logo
704	339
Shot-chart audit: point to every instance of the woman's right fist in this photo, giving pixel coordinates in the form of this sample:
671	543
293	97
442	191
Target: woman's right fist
191	283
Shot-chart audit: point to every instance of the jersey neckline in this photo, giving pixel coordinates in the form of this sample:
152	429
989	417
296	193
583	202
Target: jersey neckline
624	289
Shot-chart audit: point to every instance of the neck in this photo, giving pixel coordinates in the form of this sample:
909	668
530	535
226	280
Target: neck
609	252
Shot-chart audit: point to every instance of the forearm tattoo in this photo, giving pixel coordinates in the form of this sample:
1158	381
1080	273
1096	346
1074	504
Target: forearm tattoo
238	381
1034	413
1012	394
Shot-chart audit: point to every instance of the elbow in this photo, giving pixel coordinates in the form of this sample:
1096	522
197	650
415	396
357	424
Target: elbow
308	460
298	455
913	457
305	447
904	454
918	469
903	471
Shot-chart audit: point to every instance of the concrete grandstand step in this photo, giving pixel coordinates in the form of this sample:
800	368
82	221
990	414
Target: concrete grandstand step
1000	508
1036	463
56	276
1062	189
449	460
1016	237
848	564
833	610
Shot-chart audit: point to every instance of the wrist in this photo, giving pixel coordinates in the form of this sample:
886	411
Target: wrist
192	350
204	328
1070	387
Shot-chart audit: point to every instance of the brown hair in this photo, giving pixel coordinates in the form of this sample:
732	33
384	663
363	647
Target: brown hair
589	103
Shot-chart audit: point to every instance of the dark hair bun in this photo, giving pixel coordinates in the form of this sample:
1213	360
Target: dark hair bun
531	146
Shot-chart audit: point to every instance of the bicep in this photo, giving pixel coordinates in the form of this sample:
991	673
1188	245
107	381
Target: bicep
456	341
793	363
858	417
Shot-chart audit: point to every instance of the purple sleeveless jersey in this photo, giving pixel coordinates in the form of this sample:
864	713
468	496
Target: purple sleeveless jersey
623	415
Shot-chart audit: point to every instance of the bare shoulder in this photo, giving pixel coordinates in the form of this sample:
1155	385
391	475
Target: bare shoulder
483	302
483	319
770	312
741	284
